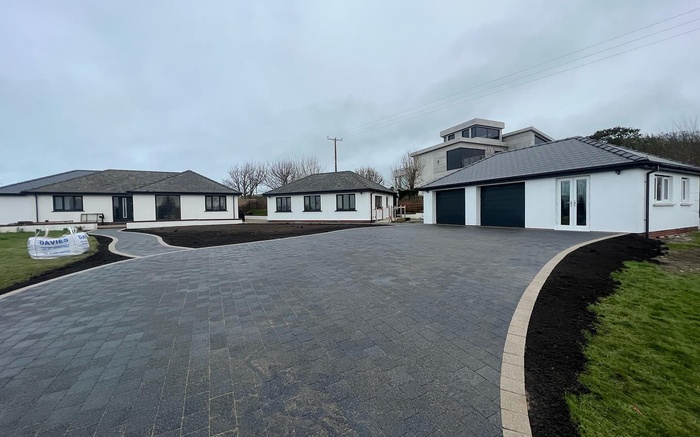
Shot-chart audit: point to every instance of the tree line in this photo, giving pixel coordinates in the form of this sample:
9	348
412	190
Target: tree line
249	177
682	143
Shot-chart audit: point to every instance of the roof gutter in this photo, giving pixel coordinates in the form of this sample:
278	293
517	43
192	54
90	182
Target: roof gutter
647	203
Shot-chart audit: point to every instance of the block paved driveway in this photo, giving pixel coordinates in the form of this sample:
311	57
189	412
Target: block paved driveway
376	331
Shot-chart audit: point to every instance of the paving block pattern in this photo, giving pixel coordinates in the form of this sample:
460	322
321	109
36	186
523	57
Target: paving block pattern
374	331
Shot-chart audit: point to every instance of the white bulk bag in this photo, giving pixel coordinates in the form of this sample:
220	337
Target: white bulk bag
45	247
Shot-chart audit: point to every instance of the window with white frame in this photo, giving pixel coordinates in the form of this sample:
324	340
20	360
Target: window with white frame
685	190
662	189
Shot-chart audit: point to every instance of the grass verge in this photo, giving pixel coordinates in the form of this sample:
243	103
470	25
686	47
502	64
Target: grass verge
17	266
643	362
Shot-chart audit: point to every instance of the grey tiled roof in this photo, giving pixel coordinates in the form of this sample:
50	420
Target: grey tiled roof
40	182
120	182
107	182
330	182
186	182
562	156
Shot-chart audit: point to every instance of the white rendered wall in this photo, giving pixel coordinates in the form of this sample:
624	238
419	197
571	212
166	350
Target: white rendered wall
363	205
17	208
92	204
43	227
615	202
192	207
540	203
174	223
144	207
674	214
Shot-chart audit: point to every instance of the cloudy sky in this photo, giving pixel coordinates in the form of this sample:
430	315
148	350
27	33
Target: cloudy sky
176	85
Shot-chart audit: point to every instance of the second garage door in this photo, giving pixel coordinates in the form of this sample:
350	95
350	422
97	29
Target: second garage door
503	205
449	207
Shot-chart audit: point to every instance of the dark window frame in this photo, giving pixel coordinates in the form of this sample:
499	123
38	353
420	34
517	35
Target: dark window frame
74	201
209	203
378	201
455	158
312	203
489	132
342	199
467	130
177	208
281	202
539	140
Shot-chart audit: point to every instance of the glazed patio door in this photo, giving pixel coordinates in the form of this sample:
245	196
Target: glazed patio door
572	203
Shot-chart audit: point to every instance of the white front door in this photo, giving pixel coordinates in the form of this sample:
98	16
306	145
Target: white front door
572	203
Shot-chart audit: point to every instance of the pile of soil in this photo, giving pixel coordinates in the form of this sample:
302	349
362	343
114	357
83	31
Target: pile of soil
219	235
101	257
555	338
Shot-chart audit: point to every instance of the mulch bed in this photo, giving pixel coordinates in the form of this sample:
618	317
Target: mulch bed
554	349
101	257
218	235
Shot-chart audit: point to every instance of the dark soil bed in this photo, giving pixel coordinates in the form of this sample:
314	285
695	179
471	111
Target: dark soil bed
102	257
554	349
206	236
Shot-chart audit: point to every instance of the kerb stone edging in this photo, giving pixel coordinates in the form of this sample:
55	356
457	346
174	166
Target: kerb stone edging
514	413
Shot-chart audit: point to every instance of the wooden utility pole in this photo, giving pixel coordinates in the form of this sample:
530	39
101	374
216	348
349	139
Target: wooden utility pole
335	146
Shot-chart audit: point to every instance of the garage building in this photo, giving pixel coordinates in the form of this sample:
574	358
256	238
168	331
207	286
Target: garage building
575	184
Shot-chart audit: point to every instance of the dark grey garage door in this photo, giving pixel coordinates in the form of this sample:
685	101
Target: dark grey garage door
449	206
503	205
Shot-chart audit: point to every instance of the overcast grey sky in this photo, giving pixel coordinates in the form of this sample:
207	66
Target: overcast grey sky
176	85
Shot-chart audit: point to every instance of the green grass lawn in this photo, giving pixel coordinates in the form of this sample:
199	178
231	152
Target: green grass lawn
17	266
643	368
257	212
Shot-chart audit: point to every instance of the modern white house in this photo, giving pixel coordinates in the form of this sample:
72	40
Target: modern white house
471	141
576	184
136	198
341	196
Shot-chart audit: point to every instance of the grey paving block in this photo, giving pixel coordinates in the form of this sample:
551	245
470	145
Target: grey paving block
307	334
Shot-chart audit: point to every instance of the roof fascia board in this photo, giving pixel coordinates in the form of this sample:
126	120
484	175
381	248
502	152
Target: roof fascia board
544	175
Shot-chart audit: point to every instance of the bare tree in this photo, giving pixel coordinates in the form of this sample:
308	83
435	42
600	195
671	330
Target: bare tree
407	172
287	170
246	178
309	165
281	172
370	173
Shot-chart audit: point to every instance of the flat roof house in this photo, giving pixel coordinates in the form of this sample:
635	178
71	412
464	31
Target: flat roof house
471	141
344	196
137	198
575	184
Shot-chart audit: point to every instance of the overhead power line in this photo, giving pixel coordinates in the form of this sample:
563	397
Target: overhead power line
430	105
461	101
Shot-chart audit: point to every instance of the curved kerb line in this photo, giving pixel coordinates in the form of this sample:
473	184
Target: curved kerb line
514	413
160	240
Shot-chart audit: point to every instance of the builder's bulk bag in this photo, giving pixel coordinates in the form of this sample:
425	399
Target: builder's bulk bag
74	243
